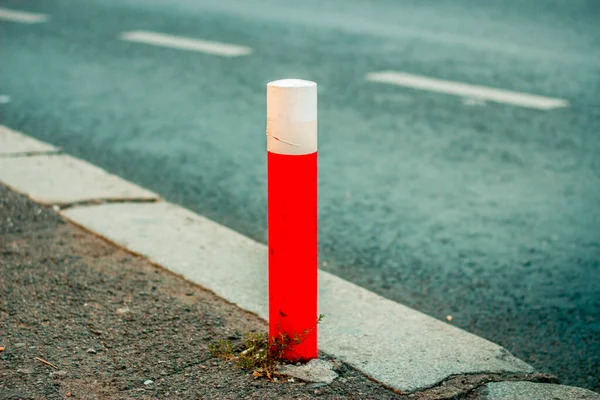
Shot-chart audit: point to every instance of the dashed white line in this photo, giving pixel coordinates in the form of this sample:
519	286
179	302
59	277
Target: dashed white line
24	17
185	43
467	90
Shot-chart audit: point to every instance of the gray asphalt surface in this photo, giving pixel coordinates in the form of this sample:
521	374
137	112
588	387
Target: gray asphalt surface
489	213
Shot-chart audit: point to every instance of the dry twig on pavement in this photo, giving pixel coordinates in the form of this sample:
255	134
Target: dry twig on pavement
46	362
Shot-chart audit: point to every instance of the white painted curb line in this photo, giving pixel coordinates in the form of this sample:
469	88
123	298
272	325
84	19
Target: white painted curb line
395	345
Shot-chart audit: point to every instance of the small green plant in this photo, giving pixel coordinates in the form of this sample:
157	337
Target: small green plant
222	349
256	356
260	355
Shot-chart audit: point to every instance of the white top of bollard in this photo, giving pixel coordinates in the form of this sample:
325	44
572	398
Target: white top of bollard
292	117
292	83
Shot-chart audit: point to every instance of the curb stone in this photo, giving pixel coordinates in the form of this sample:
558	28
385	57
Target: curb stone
63	180
14	143
534	391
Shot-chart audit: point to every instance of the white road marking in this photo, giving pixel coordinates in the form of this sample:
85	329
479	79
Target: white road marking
184	43
467	90
22	16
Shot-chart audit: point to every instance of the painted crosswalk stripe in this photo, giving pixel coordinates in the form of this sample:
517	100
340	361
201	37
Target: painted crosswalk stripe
467	90
22	16
185	43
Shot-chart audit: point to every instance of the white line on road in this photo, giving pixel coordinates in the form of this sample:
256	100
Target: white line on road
183	43
467	90
22	16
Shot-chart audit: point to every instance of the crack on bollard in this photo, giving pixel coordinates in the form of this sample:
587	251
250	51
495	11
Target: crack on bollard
283	141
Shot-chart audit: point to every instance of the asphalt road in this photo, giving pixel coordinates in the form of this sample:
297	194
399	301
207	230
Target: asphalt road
485	211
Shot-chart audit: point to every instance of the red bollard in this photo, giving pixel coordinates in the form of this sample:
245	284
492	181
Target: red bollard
292	214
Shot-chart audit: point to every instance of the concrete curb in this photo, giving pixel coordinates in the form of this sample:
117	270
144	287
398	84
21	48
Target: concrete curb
14	143
395	345
535	391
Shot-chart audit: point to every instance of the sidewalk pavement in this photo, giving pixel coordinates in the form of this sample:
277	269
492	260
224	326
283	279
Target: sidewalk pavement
82	318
